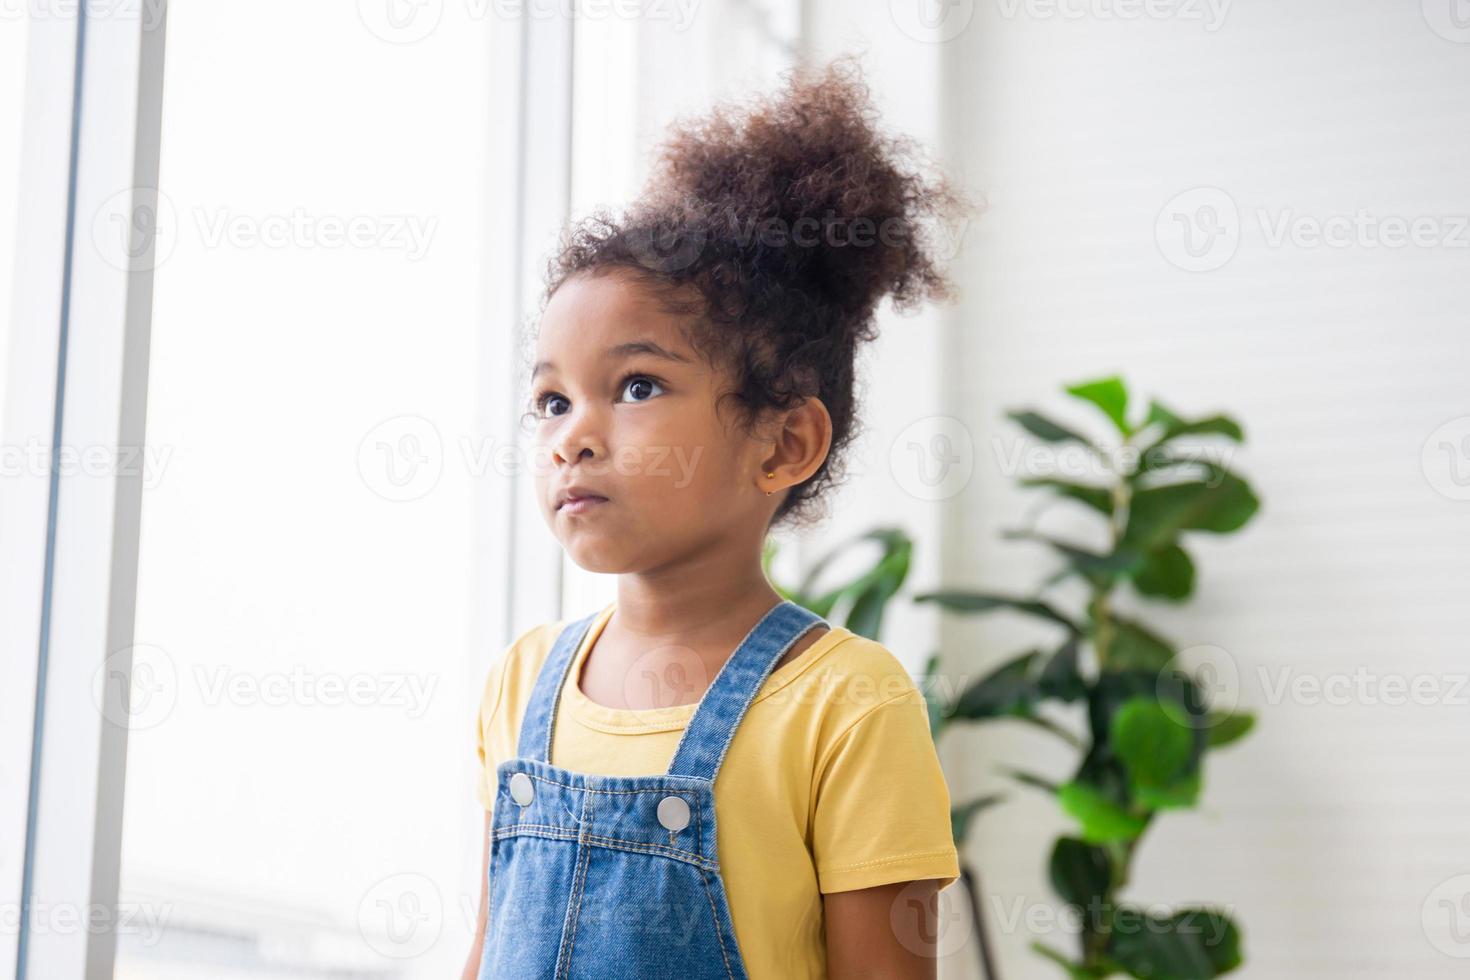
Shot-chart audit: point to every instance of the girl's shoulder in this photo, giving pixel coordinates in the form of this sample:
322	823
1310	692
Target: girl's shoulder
531	646
843	677
515	667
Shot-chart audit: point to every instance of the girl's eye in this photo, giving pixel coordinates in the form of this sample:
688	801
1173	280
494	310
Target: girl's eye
543	404
636	388
641	384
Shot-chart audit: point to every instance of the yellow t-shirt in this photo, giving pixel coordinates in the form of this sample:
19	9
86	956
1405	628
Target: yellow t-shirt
831	782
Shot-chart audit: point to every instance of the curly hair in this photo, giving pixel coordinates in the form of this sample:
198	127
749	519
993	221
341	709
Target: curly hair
777	225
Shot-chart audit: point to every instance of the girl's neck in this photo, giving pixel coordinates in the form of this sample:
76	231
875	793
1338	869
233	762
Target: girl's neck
691	610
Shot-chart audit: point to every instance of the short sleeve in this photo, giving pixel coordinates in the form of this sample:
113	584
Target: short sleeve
881	804
490	698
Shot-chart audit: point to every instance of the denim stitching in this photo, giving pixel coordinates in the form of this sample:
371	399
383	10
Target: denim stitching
650	788
719	925
549	832
584	627
681	791
725	668
621	844
750	698
574	904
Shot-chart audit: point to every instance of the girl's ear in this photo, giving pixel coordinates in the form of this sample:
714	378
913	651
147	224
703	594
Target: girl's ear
802	440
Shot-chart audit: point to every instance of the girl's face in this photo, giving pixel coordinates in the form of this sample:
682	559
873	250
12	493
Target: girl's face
624	410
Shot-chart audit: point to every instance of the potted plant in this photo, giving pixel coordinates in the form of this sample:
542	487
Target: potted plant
1148	723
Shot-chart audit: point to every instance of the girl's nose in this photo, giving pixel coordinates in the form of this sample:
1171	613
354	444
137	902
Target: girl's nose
576	441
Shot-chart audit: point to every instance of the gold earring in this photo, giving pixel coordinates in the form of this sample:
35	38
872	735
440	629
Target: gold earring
771	476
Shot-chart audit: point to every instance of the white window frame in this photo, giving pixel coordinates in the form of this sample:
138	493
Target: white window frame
77	379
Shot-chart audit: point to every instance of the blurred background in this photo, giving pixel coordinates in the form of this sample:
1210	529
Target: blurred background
295	241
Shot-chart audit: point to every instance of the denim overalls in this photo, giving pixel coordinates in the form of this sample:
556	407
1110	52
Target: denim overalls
612	877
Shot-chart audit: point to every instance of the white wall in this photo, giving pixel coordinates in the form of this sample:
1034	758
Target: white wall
1335	829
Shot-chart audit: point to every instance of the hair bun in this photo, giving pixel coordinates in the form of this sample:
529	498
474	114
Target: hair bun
802	188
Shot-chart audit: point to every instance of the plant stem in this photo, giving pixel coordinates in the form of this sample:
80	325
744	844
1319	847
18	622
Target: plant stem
1101	605
971	880
1100	608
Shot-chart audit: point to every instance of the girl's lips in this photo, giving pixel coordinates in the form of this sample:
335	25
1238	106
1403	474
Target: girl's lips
581	505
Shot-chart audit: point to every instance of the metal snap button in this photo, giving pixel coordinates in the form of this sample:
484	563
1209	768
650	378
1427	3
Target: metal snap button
673	812
521	789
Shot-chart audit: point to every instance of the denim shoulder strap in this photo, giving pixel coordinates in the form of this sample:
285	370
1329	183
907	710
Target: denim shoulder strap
536	727
704	742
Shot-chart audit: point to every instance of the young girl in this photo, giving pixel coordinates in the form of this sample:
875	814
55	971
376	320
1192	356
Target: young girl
702	779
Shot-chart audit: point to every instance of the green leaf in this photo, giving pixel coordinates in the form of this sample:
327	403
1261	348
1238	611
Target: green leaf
1183	792
1154	748
1031	779
1061	678
1135	648
935	705
1100	570
1008	690
1166	572
1014	689
1156	515
867	594
1108	394
873	591
961	816
1173	426
1175	691
1227	728
983	602
1102	820
1076	971
1080	872
1045	429
1193	944
1099	499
